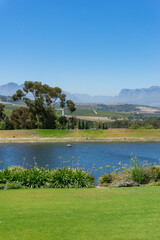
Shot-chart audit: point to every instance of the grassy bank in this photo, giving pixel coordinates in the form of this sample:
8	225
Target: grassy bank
110	135
82	214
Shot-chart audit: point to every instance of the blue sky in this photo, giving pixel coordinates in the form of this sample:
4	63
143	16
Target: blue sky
83	46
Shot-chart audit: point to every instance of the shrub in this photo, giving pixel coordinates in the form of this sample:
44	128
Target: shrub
13	185
2	125
106	179
137	175
155	183
2	186
137	171
17	177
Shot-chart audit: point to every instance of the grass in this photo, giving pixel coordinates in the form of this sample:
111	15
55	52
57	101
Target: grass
93	134
80	214
100	133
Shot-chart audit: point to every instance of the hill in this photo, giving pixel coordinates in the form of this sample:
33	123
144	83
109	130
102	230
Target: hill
144	96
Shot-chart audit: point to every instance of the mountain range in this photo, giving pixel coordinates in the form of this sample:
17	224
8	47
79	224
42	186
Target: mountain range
144	96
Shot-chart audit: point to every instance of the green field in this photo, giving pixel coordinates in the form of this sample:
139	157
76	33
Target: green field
99	133
89	112
80	214
121	134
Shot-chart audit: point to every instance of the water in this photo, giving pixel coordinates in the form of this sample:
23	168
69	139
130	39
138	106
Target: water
86	154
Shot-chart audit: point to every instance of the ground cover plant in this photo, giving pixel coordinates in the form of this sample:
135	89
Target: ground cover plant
18	177
82	214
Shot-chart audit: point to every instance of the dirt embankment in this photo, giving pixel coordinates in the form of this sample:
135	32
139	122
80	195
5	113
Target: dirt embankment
78	140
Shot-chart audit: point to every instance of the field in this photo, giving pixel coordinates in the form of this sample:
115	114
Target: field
110	135
80	214
91	113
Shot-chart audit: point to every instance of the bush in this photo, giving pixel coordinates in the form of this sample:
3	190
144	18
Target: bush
2	125
155	183
154	173
106	179
2	186
137	175
13	185
17	177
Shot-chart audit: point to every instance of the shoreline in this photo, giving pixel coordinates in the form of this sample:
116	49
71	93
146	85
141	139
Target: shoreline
78	140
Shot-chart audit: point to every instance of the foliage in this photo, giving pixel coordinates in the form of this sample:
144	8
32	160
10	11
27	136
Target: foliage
2	114
18	177
21	118
63	122
41	105
120	124
2	125
73	122
138	174
117	108
106	179
153	172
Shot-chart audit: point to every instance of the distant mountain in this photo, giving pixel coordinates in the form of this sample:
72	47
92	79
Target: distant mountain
144	96
9	89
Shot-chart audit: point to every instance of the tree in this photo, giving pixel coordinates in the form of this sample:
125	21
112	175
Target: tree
87	126
79	124
43	101
63	122
82	126
21	118
71	106
2	114
73	122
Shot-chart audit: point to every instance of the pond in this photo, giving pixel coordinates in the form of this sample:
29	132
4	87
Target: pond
89	156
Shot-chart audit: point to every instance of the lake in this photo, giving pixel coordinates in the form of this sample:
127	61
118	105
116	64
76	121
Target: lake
84	155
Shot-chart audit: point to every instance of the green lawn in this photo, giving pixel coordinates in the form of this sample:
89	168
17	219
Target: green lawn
151	134
100	133
80	214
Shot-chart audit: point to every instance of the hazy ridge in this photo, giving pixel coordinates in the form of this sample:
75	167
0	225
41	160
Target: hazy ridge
144	96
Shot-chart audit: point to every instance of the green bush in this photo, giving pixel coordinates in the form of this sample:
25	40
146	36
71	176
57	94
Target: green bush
155	183
17	177
2	125
2	186
106	179
154	173
138	175
13	185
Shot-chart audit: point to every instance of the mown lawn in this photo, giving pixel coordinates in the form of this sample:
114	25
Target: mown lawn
80	214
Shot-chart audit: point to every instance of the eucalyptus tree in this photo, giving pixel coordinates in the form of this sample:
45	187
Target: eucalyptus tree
41	100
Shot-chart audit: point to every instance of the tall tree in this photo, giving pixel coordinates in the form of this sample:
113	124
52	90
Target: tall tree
43	101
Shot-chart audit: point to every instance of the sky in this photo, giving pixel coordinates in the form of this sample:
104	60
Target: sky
83	46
